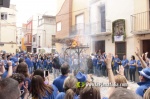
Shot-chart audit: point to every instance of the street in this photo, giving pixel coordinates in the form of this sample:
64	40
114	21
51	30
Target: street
103	90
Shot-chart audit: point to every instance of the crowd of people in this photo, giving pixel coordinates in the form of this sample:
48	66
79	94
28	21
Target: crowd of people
24	76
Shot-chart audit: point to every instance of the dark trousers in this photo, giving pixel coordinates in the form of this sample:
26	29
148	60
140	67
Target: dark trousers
126	70
139	69
90	71
49	68
114	69
132	73
104	70
35	67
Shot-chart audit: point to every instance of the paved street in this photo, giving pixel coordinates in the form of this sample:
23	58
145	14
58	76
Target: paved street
104	90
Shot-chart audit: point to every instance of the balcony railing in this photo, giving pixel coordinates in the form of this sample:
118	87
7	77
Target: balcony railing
140	22
91	29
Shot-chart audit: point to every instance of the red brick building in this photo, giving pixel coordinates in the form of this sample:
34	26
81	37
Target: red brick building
63	22
28	36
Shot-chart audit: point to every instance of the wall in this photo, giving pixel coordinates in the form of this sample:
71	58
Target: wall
59	5
8	30
64	16
126	9
140	6
8	27
109	46
8	48
79	7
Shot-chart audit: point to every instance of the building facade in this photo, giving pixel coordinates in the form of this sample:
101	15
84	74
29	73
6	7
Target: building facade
107	29
28	35
8	30
46	30
63	22
140	25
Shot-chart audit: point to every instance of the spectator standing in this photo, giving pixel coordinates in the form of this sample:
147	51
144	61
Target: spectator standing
132	68
116	61
59	81
56	66
124	63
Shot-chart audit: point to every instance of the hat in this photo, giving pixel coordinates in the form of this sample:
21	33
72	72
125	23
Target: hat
81	77
145	72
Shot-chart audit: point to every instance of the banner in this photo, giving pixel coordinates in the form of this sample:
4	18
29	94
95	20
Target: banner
119	32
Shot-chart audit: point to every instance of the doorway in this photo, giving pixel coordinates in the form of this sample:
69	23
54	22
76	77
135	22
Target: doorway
146	47
120	49
100	45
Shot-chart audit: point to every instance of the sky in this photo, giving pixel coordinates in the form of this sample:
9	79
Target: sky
27	8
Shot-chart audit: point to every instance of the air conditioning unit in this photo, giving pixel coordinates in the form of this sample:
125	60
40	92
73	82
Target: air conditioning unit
5	3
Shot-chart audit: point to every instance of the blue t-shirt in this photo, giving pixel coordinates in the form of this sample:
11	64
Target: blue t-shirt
124	62
4	74
103	62
62	96
94	61
29	83
142	86
15	59
59	81
28	62
139	63
51	96
45	62
132	62
116	60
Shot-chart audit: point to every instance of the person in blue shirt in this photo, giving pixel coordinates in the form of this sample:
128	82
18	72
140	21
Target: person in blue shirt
94	64
116	61
46	81
44	91
132	68
59	81
144	83
29	63
124	63
49	64
39	63
69	87
103	65
98	66
45	63
139	65
22	68
8	71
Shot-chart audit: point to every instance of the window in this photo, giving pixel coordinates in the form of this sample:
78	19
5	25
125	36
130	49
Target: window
80	19
103	18
59	26
3	16
80	24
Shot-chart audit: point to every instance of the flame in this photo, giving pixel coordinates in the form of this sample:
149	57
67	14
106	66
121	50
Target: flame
74	44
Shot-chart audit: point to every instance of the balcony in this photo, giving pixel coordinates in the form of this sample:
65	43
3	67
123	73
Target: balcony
140	23
93	29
